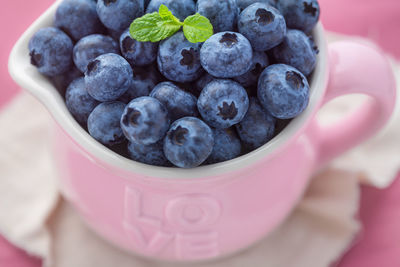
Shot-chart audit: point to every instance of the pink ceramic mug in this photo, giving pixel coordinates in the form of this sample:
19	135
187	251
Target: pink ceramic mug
211	211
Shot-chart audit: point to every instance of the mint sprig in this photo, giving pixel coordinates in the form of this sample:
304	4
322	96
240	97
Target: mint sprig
160	25
197	28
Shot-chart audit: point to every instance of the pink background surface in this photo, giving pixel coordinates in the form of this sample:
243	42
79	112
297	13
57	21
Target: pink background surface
379	243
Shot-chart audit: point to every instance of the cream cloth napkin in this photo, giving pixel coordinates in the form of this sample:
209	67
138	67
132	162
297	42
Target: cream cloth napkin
34	217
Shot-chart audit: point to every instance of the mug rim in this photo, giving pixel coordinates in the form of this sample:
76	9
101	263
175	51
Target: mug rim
30	79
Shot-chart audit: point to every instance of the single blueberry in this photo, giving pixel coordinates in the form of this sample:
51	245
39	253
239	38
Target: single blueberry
297	51
79	102
283	91
92	46
245	3
119	14
227	146
115	34
78	18
262	25
221	13
145	120
202	82
300	14
50	50
223	103
137	53
141	86
144	80
108	77
180	8
151	72
259	63
63	80
104	123
178	59
189	87
226	55
152	154
188	143
313	44
178	102
257	127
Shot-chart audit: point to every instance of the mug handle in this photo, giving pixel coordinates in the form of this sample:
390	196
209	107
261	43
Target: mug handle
356	68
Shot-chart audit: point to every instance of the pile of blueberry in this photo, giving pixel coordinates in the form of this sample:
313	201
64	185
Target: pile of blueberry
176	102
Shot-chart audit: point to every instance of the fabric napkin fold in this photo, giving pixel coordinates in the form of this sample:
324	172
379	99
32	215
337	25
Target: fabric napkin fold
34	217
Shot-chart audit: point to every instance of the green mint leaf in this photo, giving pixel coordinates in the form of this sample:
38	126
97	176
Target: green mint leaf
197	28
165	14
153	28
159	25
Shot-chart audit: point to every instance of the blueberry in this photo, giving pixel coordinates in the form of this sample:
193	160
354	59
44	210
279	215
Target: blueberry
189	87
104	123
152	154
188	143
259	63
300	14
202	82
313	44
223	103
108	77
150	72
78	18
141	86
283	91
119	14
180	8
245	3
92	46
50	50
145	120
144	80
296	50
78	101
257	127
262	25
62	81
226	55
227	146
137	53
221	13
115	34
179	103
178	59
